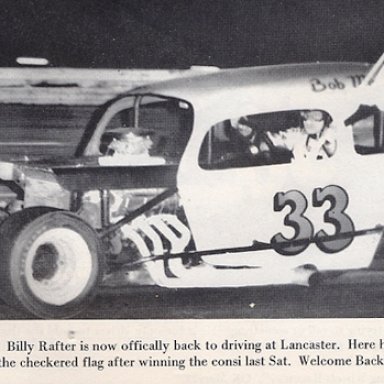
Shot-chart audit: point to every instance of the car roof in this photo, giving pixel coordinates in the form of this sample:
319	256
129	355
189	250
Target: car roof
193	88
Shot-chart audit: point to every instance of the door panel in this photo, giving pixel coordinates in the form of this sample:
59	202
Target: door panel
238	206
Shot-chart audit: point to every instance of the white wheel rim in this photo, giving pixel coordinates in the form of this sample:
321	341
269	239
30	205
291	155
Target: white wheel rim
62	273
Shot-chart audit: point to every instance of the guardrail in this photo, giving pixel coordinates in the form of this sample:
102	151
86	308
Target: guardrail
43	111
78	86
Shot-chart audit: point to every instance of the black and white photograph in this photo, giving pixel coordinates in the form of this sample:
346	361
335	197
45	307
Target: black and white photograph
192	160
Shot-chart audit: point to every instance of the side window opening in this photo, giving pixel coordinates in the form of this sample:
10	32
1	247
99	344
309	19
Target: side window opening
270	138
368	130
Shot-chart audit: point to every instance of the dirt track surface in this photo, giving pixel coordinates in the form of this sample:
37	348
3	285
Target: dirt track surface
268	303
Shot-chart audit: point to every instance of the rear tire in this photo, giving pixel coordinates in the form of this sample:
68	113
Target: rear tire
51	262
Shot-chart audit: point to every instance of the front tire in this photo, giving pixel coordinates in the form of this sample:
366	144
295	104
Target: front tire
51	263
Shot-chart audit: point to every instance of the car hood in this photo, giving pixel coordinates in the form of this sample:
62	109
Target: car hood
85	173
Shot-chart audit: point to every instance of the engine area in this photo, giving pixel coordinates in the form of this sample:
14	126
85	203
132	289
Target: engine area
160	230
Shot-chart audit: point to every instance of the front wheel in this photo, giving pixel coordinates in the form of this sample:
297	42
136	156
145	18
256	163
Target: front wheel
50	264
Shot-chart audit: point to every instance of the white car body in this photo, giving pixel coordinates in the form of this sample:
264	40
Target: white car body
233	208
191	206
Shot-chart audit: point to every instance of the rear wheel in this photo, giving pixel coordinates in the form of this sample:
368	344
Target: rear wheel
51	262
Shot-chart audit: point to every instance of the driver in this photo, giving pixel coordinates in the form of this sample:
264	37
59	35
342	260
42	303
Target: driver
314	139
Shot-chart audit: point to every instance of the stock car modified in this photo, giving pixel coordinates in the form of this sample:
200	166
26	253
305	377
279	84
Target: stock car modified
165	190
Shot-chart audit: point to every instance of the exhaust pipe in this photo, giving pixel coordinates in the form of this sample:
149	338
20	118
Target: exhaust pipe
303	274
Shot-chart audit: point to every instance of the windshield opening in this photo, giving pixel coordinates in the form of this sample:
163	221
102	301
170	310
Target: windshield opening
146	129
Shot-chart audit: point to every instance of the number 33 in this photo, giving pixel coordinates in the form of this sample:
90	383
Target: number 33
303	227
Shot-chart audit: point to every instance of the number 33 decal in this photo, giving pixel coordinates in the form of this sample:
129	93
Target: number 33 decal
304	231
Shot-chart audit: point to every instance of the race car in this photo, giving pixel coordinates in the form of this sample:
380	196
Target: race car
166	189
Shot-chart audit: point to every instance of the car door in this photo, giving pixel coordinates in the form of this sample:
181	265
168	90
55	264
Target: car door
293	213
